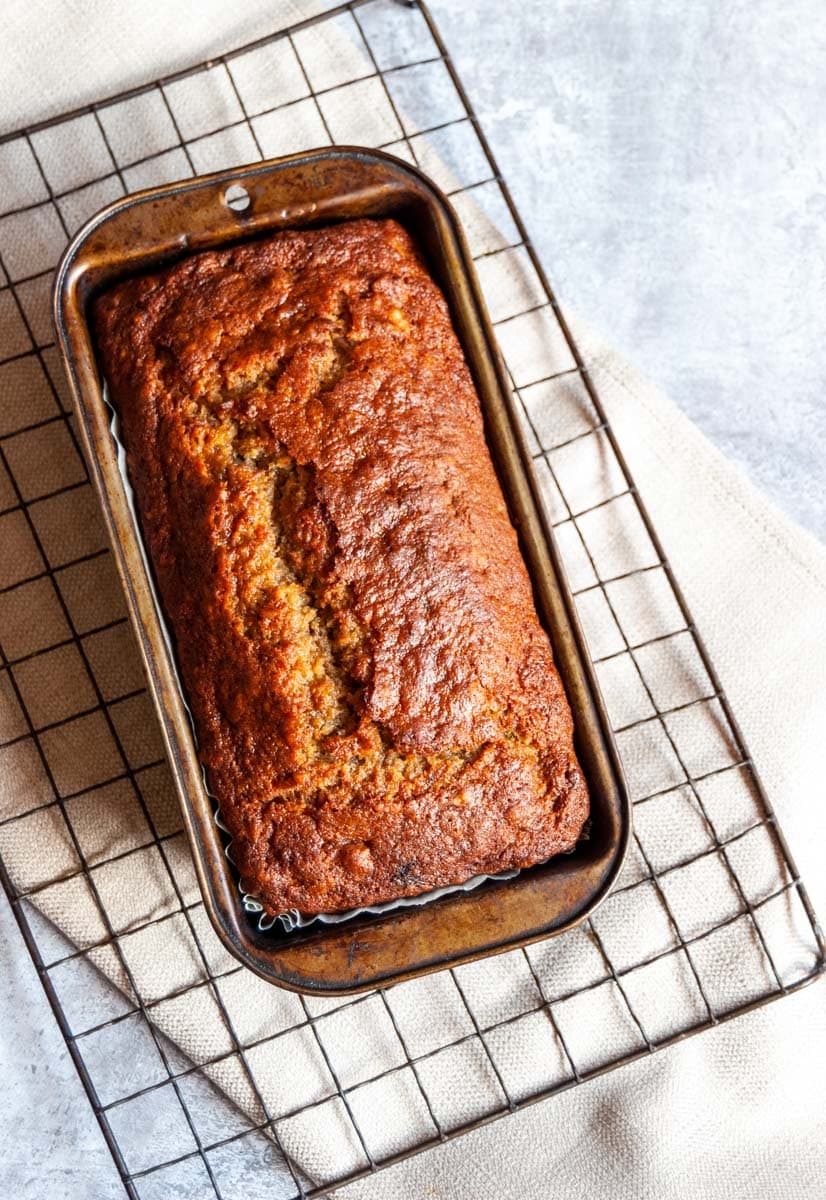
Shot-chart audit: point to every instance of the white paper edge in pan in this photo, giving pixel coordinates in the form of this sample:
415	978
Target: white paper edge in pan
292	919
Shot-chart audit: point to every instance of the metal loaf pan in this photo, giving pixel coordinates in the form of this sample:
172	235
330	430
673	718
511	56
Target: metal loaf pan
155	227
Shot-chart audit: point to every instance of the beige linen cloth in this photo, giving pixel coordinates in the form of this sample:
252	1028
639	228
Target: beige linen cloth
737	1112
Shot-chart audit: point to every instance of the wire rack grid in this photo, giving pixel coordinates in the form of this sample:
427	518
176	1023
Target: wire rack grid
699	929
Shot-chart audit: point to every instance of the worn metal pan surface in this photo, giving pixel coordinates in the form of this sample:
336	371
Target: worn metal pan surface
155	227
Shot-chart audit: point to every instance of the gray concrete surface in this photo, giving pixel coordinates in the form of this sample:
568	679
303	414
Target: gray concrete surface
668	158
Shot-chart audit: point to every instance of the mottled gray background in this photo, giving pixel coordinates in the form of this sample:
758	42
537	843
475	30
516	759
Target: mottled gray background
668	157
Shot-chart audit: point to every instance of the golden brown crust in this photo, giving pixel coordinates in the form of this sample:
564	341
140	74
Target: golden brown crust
375	700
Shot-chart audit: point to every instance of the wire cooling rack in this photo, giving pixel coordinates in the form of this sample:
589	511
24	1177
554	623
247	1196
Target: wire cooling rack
705	923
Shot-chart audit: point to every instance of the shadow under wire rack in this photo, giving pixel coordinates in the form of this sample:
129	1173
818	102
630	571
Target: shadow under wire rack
699	929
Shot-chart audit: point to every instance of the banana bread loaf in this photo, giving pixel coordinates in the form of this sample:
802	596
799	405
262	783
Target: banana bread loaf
375	700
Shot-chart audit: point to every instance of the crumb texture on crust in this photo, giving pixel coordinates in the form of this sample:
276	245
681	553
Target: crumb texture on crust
375	700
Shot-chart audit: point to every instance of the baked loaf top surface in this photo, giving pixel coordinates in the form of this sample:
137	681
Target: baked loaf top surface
375	700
